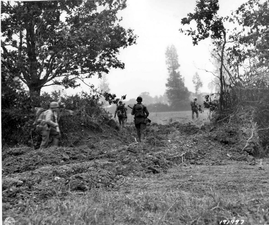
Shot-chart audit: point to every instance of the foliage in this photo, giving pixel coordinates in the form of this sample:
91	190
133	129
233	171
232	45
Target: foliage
15	105
19	115
88	116
248	52
196	80
261	116
112	98
57	42
18	110
208	24
177	93
244	60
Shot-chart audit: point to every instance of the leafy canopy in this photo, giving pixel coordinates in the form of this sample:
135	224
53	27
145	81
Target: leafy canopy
57	42
249	50
208	23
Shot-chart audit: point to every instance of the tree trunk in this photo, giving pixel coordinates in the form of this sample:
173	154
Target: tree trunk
221	78
34	91
33	80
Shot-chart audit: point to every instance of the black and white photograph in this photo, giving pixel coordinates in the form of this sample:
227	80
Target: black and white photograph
135	112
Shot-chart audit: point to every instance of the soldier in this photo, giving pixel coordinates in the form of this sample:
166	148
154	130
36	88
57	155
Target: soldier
121	113
48	127
194	108
140	113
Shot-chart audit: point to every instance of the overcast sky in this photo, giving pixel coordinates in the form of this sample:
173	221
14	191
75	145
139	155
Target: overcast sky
157	23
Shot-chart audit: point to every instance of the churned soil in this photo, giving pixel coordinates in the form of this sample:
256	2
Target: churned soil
174	156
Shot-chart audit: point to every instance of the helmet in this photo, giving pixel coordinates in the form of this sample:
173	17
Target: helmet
120	102
139	99
54	105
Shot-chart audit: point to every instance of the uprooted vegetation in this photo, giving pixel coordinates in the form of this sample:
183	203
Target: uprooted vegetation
100	175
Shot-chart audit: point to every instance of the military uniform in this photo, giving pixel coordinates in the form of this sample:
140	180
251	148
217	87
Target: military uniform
194	108
121	113
47	126
140	113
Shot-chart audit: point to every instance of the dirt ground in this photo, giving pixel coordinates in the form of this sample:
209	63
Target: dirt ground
196	158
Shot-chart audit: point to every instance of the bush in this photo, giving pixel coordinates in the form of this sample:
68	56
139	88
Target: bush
19	115
16	105
261	116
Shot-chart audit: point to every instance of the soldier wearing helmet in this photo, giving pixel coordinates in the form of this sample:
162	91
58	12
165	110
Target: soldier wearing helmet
48	127
121	112
140	113
194	108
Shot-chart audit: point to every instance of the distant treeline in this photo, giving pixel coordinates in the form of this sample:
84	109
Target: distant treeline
156	107
161	107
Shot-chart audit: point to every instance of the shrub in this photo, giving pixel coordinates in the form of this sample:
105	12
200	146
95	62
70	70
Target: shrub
15	107
261	116
18	116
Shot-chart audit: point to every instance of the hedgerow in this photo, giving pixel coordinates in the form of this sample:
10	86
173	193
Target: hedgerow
19	115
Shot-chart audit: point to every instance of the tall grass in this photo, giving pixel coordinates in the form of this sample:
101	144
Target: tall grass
147	207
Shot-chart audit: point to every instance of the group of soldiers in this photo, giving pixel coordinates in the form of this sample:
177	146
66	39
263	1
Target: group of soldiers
140	113
47	123
211	103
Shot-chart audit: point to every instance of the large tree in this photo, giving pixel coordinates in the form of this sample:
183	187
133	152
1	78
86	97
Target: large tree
248	55
176	91
208	24
57	42
197	82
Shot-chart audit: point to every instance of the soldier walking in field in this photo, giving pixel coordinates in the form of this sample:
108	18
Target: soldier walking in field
194	108
121	112
47	125
140	113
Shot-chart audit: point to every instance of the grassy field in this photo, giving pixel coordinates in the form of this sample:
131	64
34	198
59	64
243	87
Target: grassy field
169	117
185	195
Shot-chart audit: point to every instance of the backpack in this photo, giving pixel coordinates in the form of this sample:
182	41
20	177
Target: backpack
193	105
139	110
38	116
121	111
39	122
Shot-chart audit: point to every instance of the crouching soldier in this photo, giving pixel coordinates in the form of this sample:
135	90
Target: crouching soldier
47	125
140	113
